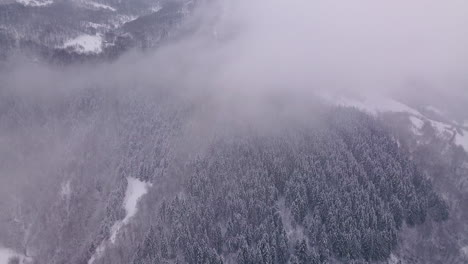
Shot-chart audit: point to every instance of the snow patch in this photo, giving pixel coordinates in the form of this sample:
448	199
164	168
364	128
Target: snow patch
135	190
156	8
376	105
373	105
379	105
65	190
417	124
442	128
96	25
6	254
464	251
99	250
100	6
122	19
35	3
393	259
462	140
85	44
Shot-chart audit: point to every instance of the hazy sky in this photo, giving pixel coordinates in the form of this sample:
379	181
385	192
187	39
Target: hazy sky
251	49
363	45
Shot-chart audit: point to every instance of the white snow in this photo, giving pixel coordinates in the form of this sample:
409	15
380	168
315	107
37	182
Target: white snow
464	250
417	124
156	8
462	140
99	250
135	190
65	190
393	259
96	25
371	104
122	19
442	129
6	254
85	44
100	6
36	3
378	105
375	105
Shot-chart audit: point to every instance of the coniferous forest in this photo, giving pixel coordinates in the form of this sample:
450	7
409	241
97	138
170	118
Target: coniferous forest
340	192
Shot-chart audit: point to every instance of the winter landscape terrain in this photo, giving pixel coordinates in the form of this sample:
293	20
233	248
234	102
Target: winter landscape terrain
218	131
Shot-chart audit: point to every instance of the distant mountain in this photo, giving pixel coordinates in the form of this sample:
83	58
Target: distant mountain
71	31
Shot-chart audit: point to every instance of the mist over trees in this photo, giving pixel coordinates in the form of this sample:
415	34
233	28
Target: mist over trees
335	188
342	191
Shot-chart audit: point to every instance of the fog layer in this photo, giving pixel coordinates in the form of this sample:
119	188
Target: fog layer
253	48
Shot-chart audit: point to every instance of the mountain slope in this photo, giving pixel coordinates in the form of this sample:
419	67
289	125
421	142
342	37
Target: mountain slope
339	189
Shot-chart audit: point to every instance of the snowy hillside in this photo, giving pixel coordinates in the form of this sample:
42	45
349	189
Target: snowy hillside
95	5
63	31
376	106
136	189
35	3
85	44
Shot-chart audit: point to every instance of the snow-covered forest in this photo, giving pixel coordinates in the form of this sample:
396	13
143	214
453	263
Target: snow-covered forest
249	131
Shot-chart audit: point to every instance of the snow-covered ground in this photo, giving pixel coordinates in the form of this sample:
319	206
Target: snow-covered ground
464	251
393	259
417	123
135	190
156	8
96	26
35	2
373	105
65	190
85	44
376	105
119	20
6	254
442	128
100	6
462	140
